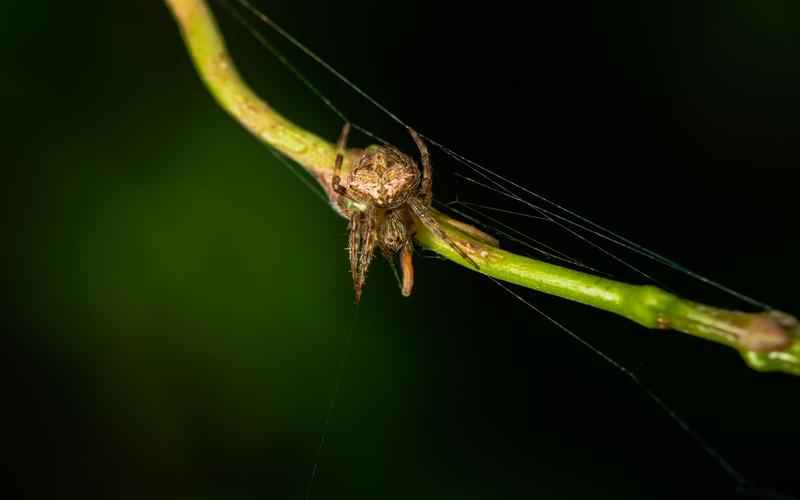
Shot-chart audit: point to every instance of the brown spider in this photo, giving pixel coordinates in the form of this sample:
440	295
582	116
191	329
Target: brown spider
384	199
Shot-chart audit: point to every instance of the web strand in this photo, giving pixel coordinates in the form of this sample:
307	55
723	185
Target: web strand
521	238
600	230
579	220
710	450
555	219
259	37
343	356
550	211
313	187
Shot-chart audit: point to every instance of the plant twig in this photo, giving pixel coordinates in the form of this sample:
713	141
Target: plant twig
768	341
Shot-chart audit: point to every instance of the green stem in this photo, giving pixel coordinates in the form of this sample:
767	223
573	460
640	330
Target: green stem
768	341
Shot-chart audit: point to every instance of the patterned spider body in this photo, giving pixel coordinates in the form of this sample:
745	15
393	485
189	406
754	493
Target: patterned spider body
383	177
385	197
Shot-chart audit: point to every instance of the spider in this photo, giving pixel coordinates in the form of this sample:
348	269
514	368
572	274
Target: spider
384	199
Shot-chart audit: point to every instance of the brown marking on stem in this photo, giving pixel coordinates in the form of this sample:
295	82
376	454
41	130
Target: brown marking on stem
249	114
475	250
223	67
757	332
468	229
764	333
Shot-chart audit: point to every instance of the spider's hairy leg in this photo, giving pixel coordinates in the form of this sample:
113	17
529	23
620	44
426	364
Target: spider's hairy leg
421	208
426	186
337	168
394	237
424	215
407	265
363	238
369	238
353	246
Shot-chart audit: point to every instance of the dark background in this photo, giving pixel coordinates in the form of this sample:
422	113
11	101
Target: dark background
179	303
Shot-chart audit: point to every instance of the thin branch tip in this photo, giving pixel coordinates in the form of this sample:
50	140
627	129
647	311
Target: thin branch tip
768	341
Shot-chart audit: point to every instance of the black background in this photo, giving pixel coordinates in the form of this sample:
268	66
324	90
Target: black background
674	123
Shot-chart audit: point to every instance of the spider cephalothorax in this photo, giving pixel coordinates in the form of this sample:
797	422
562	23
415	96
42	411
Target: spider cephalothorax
384	198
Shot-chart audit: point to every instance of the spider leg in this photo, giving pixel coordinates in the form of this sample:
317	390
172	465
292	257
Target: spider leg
344	206
363	238
369	239
390	260
423	214
407	265
393	237
426	186
337	168
354	243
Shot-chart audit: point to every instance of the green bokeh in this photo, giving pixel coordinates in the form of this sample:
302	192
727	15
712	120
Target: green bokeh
184	302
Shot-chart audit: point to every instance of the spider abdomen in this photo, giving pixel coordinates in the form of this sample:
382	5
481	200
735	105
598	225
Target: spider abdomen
384	177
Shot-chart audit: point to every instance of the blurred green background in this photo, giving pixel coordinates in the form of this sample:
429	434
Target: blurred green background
180	304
